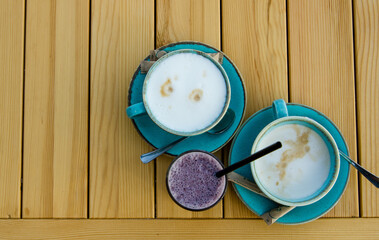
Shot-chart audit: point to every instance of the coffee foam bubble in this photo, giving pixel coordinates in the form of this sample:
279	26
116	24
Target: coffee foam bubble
186	92
299	168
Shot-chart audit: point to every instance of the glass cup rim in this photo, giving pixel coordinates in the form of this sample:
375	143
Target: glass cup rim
226	103
168	188
336	159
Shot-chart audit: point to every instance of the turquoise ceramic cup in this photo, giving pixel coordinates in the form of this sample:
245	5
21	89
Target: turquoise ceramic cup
280	113
142	108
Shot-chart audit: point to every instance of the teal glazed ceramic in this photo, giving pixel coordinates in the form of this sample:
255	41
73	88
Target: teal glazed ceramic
144	108
157	137
333	153
241	148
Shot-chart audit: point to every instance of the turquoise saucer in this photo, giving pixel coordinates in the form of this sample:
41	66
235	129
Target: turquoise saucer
157	137
241	148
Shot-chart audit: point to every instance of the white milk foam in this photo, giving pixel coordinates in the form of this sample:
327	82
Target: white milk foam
186	92
299	168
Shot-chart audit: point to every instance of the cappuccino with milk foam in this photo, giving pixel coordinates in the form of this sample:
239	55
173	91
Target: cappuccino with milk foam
299	168
186	92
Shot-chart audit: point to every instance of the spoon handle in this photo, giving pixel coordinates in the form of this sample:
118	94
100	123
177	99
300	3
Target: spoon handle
371	177
245	183
274	214
271	215
148	157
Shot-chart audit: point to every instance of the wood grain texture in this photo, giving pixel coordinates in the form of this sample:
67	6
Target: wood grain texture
121	186
366	30
195	20
254	37
322	73
11	95
352	228
180	20
56	109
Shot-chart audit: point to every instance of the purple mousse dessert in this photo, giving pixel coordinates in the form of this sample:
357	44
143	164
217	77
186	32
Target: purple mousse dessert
192	183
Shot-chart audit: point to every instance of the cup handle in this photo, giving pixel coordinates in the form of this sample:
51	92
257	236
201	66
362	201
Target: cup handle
136	110
280	108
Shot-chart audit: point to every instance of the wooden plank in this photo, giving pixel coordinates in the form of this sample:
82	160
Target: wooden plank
11	95
178	21
56	109
366	29
351	228
254	37
122	33
322	73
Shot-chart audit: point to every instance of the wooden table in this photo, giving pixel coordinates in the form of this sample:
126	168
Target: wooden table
69	156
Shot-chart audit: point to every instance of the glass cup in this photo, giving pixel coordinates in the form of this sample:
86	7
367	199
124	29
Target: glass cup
191	180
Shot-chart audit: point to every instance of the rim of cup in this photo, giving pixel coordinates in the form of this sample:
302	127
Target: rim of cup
227	100
335	170
168	188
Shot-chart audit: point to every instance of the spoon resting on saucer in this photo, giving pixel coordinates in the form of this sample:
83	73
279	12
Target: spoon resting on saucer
270	216
274	214
371	177
221	127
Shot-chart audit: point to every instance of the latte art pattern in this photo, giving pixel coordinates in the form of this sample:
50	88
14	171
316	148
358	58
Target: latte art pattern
299	168
299	148
186	92
196	95
166	88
